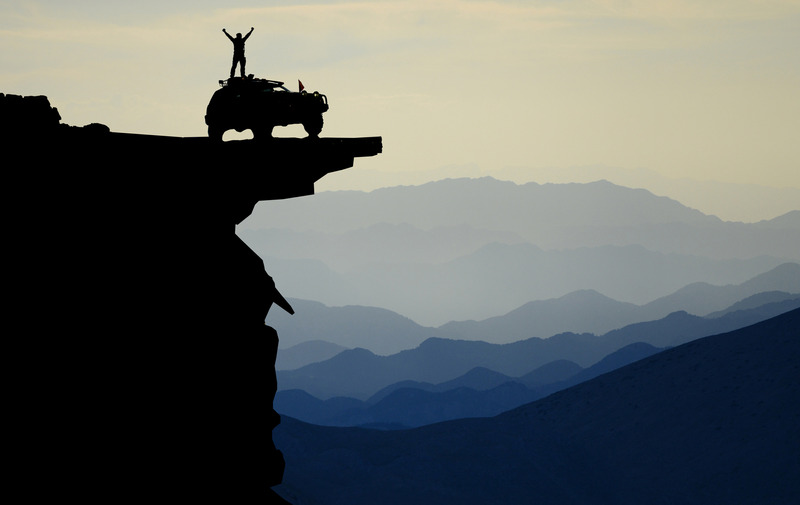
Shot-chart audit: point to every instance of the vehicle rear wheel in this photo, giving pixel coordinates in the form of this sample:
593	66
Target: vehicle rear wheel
215	133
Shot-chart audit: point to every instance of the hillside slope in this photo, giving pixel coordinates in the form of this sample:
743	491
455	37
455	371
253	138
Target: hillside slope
711	421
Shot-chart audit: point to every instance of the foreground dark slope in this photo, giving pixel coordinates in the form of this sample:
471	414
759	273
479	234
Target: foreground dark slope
711	421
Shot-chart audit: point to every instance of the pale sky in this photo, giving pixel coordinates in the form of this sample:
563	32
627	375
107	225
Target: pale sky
707	90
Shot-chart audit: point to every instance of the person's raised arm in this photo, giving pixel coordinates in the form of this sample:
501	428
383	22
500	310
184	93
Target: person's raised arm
248	33
227	34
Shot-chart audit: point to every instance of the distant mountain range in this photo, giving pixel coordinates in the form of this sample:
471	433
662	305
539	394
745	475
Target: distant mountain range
533	211
728	201
478	393
710	421
347	327
384	332
464	249
360	374
307	352
589	311
484	392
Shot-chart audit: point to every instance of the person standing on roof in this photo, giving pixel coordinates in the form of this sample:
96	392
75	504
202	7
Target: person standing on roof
238	50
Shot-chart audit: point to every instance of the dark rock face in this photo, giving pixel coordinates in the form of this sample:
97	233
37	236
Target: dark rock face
28	114
143	366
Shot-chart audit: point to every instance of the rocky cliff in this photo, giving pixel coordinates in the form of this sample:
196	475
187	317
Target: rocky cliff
141	364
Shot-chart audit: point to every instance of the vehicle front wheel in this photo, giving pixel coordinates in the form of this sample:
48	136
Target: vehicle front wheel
313	125
215	133
262	132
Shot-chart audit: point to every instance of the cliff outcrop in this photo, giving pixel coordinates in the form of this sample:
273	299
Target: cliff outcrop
143	367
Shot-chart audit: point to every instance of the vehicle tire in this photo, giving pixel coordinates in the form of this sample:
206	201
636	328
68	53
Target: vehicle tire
313	125
215	133
262	132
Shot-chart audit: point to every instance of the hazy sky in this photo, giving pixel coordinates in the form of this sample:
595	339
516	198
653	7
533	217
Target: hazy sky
700	89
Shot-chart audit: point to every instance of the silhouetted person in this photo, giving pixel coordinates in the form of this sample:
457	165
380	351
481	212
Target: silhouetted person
238	49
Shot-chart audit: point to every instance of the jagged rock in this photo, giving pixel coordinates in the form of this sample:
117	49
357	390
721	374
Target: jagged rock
22	113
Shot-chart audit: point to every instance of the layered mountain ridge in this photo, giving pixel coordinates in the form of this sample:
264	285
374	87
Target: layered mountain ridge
710	421
462	249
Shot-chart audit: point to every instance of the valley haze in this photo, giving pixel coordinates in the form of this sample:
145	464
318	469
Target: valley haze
471	249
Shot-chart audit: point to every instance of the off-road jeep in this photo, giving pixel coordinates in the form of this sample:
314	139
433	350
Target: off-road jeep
259	105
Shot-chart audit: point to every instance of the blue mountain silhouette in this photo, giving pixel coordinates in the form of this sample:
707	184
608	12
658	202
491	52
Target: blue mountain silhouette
710	421
359	373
